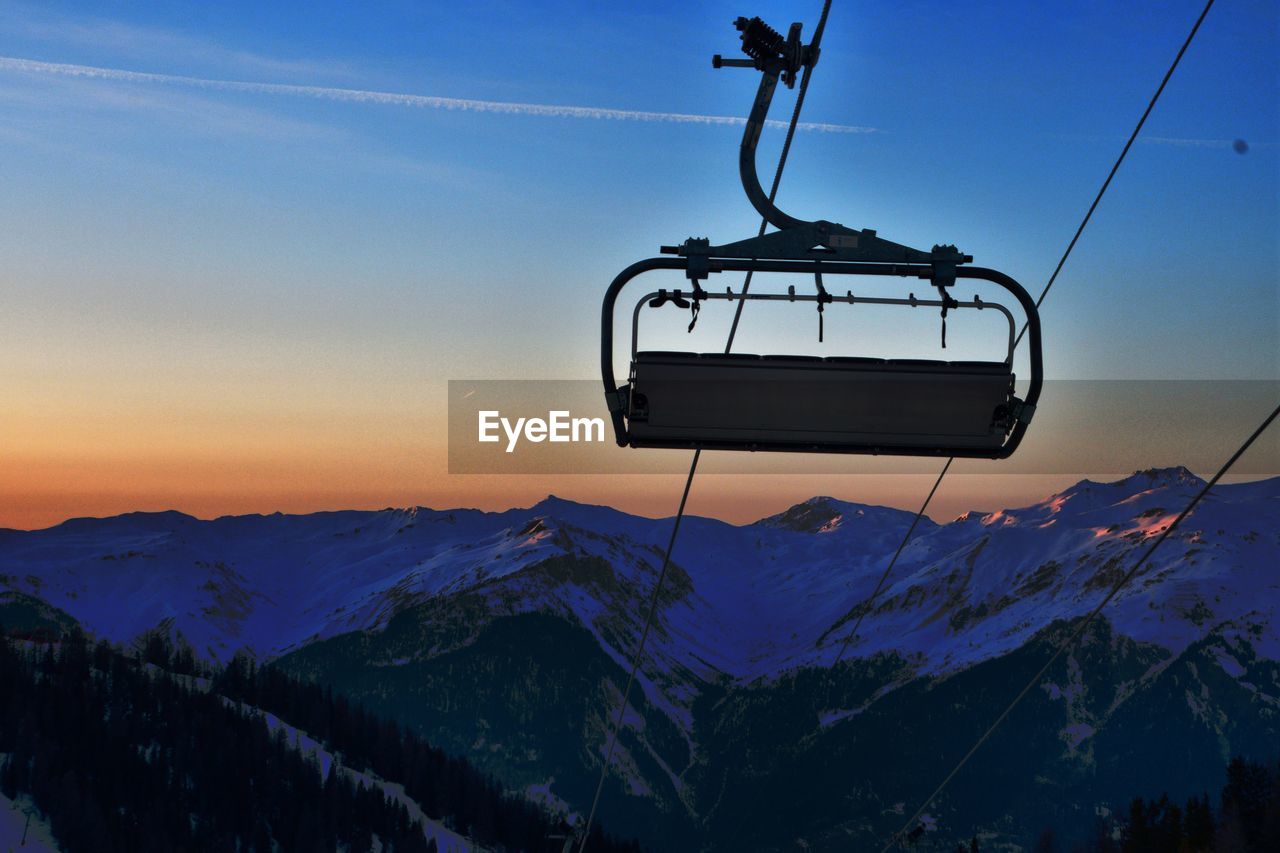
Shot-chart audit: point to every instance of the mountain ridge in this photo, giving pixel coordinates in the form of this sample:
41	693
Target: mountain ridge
382	559
478	609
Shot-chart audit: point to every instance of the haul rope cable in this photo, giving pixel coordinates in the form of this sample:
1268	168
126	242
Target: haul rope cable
937	483
1075	635
1133	136
697	454
865	604
1088	215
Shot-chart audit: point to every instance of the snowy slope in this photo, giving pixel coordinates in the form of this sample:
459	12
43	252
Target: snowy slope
447	841
745	602
427	613
22	829
261	583
979	587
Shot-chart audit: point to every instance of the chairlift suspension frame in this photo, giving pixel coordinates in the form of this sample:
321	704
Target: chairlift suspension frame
815	248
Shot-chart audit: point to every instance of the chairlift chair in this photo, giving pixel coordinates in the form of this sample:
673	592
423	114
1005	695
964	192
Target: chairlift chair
839	404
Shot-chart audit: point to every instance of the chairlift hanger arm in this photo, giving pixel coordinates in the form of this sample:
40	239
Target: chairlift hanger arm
796	239
775	57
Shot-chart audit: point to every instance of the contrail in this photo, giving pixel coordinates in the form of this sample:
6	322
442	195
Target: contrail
1201	143
359	96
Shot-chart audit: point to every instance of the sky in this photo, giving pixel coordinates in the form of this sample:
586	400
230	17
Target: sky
246	246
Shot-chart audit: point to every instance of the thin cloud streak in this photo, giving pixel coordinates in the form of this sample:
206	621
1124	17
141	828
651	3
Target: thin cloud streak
156	43
1174	141
359	96
1200	143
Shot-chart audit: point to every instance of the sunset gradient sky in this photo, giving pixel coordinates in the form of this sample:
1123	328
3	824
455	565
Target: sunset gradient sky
226	297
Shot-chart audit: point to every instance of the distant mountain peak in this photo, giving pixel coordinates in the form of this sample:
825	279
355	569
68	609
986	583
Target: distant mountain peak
551	502
157	515
1143	480
156	518
1175	475
1135	484
1087	496
819	514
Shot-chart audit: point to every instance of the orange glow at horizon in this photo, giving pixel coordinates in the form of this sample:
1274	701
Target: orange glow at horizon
211	442
55	491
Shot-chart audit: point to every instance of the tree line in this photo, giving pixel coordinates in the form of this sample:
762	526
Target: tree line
1246	820
444	785
150	749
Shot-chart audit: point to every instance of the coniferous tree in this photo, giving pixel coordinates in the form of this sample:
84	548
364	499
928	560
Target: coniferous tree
1199	824
1244	804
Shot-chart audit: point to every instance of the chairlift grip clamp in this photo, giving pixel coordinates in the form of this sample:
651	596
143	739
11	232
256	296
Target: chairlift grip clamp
619	399
943	263
697	254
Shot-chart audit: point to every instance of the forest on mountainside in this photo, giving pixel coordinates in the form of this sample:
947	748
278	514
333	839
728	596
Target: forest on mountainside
149	749
1246	820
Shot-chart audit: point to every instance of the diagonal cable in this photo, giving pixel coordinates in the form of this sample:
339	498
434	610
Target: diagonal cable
697	454
635	660
1044	293
782	163
1115	168
866	602
1080	629
1054	277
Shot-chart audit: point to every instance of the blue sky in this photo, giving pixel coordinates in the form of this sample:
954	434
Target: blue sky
241	259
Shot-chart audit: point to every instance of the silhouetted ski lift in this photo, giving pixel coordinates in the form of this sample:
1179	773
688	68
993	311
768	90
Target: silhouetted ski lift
845	404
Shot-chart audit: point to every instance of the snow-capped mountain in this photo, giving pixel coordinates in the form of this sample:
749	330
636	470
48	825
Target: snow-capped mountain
506	635
746	601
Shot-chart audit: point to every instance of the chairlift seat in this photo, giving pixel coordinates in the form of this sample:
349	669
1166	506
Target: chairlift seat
787	402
